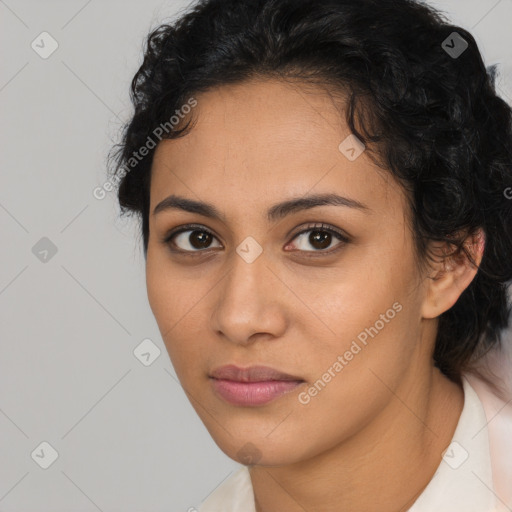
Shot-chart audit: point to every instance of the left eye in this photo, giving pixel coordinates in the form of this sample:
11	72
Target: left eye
320	238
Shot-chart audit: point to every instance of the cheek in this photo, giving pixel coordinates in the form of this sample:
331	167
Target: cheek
346	302
369	317
376	335
169	294
176	306
165	296
158	289
350	376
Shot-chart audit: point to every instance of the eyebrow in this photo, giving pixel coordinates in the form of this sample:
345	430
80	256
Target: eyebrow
274	213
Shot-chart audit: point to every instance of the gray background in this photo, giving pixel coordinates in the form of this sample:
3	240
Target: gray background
126	436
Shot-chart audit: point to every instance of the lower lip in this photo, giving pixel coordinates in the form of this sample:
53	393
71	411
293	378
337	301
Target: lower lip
252	393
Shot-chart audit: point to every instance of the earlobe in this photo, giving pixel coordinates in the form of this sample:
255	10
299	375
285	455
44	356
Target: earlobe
451	275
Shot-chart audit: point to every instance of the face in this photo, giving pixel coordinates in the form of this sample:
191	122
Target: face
329	294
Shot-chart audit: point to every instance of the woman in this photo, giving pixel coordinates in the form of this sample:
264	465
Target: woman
322	189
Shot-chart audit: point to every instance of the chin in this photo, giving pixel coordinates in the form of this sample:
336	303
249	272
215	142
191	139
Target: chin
262	451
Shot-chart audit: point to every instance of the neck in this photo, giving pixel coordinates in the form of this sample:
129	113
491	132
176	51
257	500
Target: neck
382	468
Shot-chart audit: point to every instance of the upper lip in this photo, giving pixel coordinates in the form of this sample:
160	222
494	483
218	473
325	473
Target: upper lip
251	374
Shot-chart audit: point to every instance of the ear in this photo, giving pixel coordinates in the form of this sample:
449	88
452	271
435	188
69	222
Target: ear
451	275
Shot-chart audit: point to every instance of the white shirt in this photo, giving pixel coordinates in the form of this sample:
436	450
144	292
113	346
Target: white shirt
463	482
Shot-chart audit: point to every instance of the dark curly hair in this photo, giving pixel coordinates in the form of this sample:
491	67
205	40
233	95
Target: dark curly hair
430	117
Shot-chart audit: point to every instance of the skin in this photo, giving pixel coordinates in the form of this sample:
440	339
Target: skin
373	437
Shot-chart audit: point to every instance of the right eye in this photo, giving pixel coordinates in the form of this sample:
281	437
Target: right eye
189	238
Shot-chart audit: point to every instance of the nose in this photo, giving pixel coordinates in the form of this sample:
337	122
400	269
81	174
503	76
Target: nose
248	303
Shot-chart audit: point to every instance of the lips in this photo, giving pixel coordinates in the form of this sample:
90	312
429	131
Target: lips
252	374
252	387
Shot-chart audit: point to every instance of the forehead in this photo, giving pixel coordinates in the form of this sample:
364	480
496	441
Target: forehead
257	142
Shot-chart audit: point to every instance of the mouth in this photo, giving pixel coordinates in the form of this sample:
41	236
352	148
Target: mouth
253	386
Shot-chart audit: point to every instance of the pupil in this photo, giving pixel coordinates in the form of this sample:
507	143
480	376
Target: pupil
316	238
203	239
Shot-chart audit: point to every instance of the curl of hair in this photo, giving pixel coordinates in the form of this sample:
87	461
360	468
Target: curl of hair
434	122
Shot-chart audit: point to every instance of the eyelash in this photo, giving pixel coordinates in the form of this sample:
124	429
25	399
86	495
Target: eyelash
167	239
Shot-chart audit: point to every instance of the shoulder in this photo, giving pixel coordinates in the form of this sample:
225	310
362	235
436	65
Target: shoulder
498	412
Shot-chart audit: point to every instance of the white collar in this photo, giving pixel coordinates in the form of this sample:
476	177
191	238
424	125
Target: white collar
235	494
462	482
